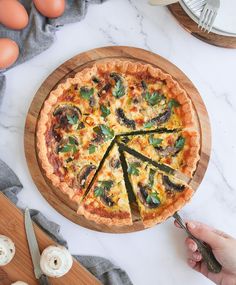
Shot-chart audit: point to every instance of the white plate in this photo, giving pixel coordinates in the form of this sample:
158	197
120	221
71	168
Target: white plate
225	22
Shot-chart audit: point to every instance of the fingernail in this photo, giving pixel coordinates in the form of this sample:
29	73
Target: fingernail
196	255
191	246
191	225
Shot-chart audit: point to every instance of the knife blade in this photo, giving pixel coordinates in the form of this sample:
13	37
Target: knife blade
34	249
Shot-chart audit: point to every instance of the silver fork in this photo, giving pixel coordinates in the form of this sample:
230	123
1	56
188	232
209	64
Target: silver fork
208	15
195	5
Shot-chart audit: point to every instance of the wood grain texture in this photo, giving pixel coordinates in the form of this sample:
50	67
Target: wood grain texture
188	24
55	197
21	267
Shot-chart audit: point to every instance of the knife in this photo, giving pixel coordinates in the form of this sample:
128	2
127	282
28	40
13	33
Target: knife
34	249
212	264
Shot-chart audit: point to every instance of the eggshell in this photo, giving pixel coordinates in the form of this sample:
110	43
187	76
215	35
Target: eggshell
9	52
13	14
50	8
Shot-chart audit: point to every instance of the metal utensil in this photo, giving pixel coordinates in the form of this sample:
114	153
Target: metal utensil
208	15
212	264
34	249
195	5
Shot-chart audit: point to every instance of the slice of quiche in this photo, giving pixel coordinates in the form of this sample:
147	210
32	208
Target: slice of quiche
158	195
107	201
178	149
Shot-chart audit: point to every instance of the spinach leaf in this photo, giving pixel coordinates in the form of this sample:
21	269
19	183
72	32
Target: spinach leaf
72	120
72	141
98	191
105	111
86	92
173	103
106	184
65	148
133	168
71	145
180	142
154	141
119	89
151	177
107	132
149	124
92	149
153	198
153	98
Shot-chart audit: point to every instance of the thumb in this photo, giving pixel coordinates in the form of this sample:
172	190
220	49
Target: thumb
207	234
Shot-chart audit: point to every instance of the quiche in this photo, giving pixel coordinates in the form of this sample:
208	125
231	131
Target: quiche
107	201
85	123
158	194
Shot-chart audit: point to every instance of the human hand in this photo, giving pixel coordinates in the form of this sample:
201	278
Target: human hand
223	247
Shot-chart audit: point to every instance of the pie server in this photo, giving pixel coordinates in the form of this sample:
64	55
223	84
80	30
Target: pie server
34	249
212	264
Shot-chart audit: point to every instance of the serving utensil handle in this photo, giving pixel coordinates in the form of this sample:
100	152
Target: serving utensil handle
43	280
212	264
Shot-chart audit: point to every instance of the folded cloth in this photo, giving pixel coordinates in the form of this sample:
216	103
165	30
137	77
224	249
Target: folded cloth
103	269
40	32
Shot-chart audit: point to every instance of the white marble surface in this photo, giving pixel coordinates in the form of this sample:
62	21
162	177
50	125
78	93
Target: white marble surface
157	255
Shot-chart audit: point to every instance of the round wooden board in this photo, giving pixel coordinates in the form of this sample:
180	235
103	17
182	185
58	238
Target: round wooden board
55	197
188	24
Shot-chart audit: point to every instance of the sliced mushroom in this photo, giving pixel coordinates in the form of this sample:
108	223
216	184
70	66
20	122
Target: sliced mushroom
84	173
162	118
92	101
104	89
124	120
107	200
55	133
55	261
116	76
143	194
63	111
7	250
98	139
168	151
171	186
114	162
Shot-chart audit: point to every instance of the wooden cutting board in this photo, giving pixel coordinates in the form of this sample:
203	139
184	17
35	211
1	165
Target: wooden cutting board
192	27
21	267
68	69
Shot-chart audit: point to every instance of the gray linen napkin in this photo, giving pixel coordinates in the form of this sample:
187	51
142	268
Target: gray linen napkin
103	269
40	32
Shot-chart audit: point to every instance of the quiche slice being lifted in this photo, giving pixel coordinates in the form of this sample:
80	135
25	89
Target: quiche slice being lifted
158	195
178	149
107	201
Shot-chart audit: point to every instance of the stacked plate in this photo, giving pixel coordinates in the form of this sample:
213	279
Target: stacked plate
225	22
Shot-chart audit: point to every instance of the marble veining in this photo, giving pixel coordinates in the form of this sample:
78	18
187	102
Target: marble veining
157	255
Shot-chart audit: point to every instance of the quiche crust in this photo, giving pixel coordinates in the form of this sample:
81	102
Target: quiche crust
109	221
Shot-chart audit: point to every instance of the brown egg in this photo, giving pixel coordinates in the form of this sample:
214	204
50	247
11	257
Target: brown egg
13	14
9	52
50	8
